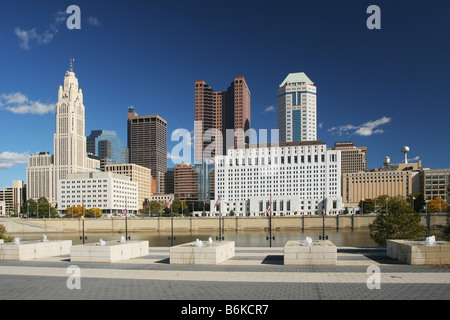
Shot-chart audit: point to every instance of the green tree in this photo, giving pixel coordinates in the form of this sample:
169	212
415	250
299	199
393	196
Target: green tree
367	206
45	209
3	234
179	205
156	207
399	223
29	207
417	201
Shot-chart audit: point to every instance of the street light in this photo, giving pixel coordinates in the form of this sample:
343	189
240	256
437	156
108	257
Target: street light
387	199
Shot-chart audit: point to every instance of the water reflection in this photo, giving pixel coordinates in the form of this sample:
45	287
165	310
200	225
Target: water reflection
340	238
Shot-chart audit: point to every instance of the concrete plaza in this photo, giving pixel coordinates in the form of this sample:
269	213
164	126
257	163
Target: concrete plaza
252	274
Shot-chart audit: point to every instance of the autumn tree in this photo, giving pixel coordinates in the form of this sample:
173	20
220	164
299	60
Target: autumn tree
437	205
74	212
94	213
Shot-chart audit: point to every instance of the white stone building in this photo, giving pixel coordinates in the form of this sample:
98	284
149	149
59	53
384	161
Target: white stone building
69	156
297	108
111	192
297	178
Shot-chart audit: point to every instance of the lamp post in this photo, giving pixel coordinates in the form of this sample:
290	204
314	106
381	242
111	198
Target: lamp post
387	199
82	218
126	220
324	211
270	237
220	237
171	238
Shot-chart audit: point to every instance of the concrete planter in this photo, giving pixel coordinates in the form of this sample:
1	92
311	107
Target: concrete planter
30	250
415	252
112	251
319	253
213	253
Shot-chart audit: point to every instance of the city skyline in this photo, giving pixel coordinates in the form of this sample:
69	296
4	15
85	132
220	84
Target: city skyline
382	89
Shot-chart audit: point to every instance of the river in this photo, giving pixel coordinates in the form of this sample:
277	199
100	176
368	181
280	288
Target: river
340	238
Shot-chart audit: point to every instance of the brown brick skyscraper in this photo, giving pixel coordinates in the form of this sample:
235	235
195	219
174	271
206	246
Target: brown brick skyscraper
147	141
220	110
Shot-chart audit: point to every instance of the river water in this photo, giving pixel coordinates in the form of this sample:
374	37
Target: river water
340	238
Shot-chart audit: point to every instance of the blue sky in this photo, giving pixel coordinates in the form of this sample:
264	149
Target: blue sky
380	88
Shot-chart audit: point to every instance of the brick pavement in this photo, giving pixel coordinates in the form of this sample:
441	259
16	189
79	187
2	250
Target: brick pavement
253	274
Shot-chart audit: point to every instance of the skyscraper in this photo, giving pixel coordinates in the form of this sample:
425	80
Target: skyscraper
69	146
147	141
107	145
297	108
220	110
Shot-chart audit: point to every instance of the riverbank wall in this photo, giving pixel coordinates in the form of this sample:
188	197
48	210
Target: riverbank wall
163	224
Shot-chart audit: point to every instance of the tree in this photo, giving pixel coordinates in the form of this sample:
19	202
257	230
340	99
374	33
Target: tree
94	213
417	200
29	207
437	205
156	207
74	212
179	205
367	206
399	223
382	202
3	234
45	209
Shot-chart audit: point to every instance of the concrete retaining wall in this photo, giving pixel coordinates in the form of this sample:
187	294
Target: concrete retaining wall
14	225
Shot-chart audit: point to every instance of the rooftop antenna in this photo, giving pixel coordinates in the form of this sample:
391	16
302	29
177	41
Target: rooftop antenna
72	64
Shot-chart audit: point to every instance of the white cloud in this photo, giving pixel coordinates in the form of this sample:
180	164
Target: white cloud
93	21
269	109
414	159
366	129
19	103
10	159
12	98
26	37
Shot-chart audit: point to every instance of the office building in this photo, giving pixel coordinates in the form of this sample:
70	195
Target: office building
107	146
3	211
296	178
139	174
169	181
219	111
194	183
297	108
353	159
111	192
391	180
147	141
13	197
436	184
69	147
